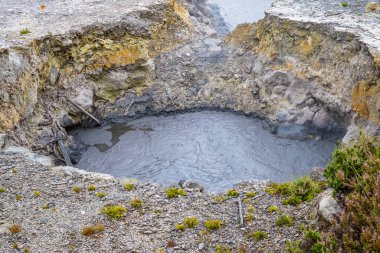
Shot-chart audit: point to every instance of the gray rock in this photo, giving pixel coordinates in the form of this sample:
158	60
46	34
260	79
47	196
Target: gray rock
201	246
306	118
2	140
44	160
189	185
277	79
317	174
323	120
328	208
84	98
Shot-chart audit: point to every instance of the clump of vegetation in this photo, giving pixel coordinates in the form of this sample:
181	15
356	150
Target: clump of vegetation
91	187
37	194
251	209
171	244
312	235
91	230
136	203
129	187
284	220
114	212
250	194
45	206
213	224
15	245
18	197
14	171
354	175
222	249
25	31
14	229
181	227
190	222
77	189
2	189
272	209
249	217
219	199
294	246
232	193
344	4
101	194
296	192
257	235
174	192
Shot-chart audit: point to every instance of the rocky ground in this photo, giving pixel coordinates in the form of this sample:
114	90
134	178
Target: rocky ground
52	220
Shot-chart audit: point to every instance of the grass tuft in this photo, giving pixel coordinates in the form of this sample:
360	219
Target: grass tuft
114	212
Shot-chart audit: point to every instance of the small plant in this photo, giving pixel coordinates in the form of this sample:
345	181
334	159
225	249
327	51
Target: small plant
249	217
2	189
190	222
250	194
181	227
24	31
101	194
232	193
257	235
301	190
77	189
15	245
37	194
251	209
284	220
14	229
174	192
18	197
213	224
247	200
14	171
222	249
45	206
129	187
91	187
294	246
170	244
114	212
272	209
219	199
91	230
312	236
317	248
344	4
136	203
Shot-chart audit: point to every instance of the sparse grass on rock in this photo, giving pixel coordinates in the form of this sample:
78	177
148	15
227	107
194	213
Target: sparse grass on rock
91	230
136	203
257	235
174	192
284	220
213	224
190	222
114	212
232	193
14	229
129	187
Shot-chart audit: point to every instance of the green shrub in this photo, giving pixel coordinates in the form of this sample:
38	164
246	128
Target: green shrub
37	194
174	192
249	217
190	222
294	246
77	189
354	174
18	197
301	190
232	193
344	4
129	187
312	236
181	227
101	194
317	248
91	187
284	220
222	249
250	194
91	230
251	209
2	189
136	203
272	209
24	31
114	212
257	235
213	224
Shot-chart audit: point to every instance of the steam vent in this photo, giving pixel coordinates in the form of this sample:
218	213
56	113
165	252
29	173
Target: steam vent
154	126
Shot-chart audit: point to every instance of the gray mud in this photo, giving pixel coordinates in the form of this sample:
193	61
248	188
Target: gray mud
215	149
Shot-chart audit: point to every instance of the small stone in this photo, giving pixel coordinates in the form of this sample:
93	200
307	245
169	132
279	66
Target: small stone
328	207
201	246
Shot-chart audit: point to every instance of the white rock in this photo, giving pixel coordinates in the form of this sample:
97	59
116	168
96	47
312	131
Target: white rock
328	207
72	170
44	160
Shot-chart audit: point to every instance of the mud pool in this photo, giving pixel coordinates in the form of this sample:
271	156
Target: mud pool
215	149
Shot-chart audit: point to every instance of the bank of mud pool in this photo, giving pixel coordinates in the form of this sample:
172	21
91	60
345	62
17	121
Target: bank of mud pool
306	70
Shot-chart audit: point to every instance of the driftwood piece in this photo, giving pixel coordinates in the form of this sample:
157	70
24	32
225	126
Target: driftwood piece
241	211
126	112
62	147
84	111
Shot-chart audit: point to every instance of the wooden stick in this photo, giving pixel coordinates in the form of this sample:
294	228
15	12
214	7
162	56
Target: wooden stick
84	111
241	212
126	112
62	147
